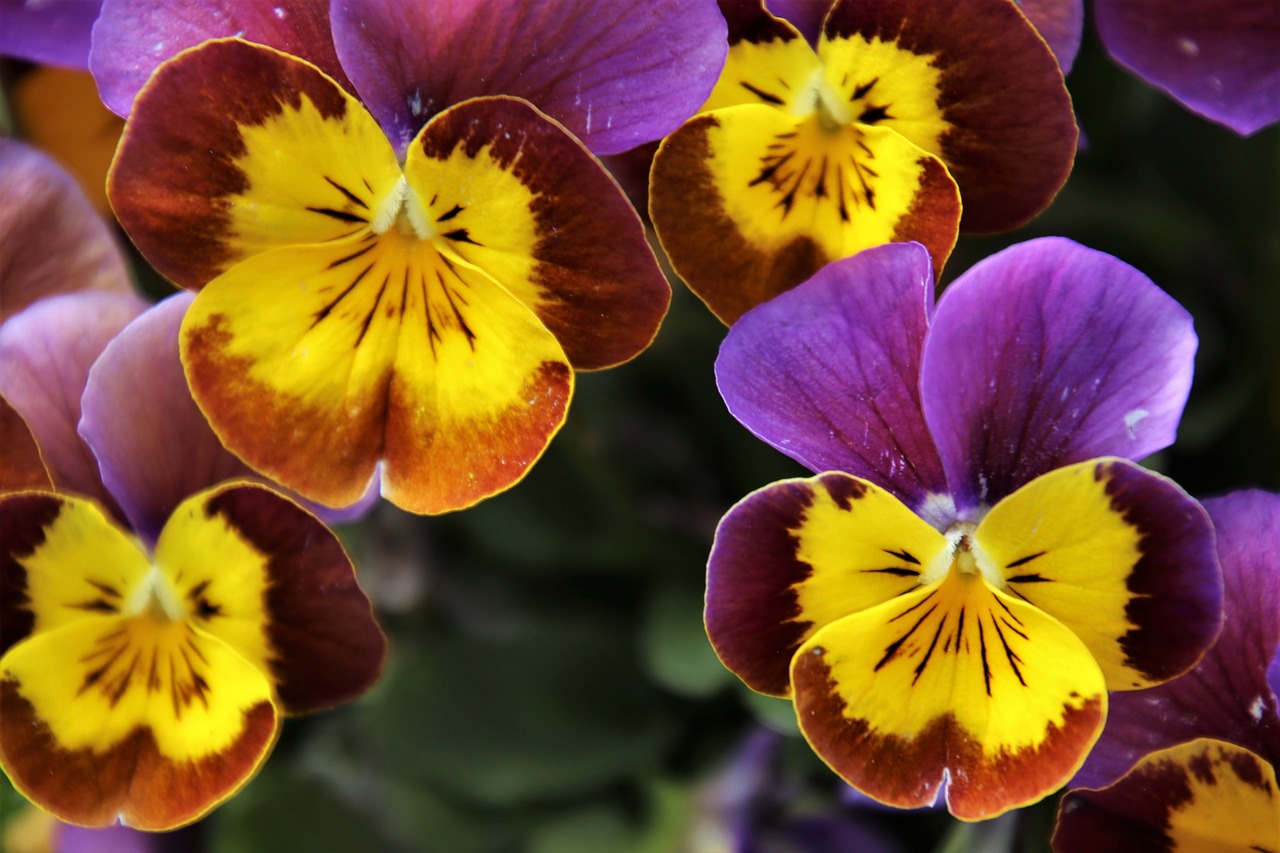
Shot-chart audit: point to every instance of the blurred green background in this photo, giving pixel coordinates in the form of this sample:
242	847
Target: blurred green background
550	686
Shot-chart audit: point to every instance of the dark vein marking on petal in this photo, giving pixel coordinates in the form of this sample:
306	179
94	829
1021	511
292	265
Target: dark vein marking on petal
1009	653
340	215
325	311
351	257
929	653
896	571
892	649
364	327
902	555
986	668
352	197
460	235
1022	561
450	213
767	97
105	589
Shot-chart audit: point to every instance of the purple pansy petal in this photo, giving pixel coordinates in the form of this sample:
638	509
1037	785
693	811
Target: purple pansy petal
154	447
52	32
1047	354
1060	23
132	37
805	15
46	352
615	73
51	239
1227	695
1221	60
828	372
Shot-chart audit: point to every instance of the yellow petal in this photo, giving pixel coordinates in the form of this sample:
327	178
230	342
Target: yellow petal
141	717
953	679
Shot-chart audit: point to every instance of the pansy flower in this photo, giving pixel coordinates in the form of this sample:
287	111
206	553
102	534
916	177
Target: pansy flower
145	667
1192	764
409	277
805	153
978	563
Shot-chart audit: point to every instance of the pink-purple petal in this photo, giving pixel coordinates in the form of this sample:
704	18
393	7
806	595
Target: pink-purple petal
615	73
46	352
51	238
154	447
1047	354
1220	60
828	372
52	32
132	37
1227	695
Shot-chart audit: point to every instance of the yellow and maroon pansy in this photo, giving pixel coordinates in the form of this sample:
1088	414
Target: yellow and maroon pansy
905	109
426	315
1203	795
983	653
148	688
974	567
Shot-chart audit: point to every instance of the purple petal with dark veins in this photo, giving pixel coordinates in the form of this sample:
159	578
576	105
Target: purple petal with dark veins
614	72
828	372
1047	354
1220	60
132	37
1227	695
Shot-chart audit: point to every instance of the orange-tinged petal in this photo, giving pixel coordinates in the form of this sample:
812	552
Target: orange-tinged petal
138	717
749	200
375	347
951	681
234	148
508	190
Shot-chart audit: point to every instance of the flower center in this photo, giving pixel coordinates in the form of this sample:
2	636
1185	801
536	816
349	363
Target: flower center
155	598
403	209
964	557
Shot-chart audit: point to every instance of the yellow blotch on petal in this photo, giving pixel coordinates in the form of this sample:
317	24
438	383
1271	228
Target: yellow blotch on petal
480	212
778	72
218	580
85	567
864	546
782	179
1223	779
95	682
881	84
310	177
1060	545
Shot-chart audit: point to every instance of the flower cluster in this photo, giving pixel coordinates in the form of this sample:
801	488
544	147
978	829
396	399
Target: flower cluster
396	243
